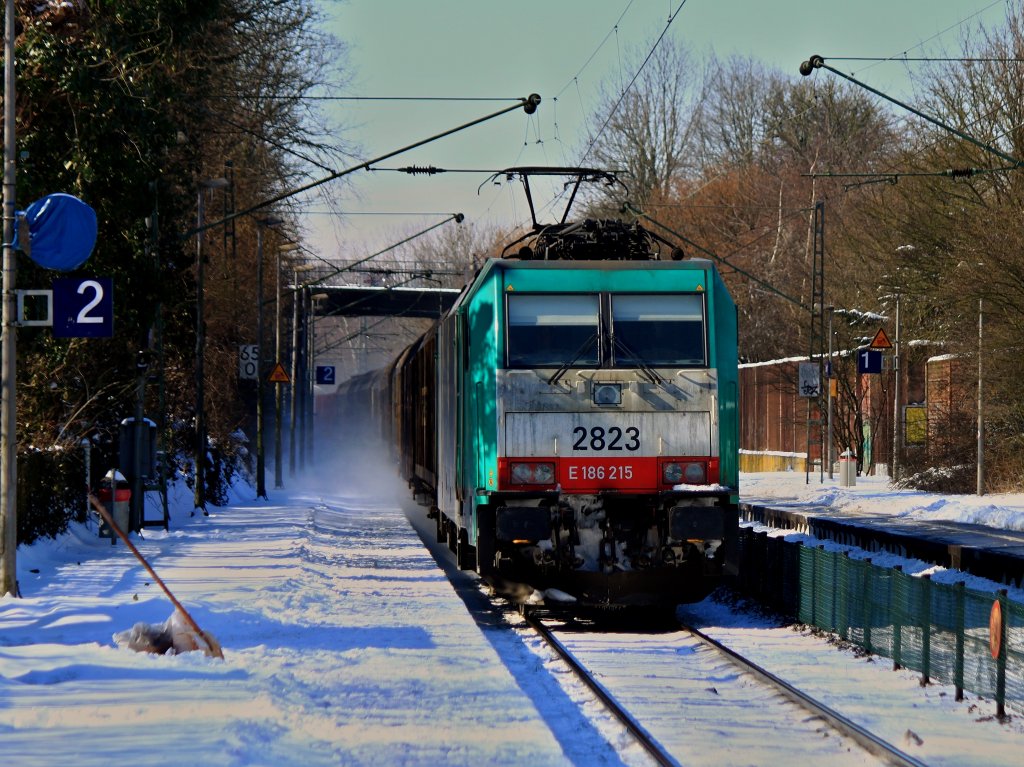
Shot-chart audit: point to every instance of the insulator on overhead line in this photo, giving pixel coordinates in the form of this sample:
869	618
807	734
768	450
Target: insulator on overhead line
424	170
814	62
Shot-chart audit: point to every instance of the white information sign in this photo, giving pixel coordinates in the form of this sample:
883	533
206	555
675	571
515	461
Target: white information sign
248	361
810	379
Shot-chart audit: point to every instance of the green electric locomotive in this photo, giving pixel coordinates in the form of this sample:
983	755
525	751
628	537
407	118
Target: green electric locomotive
571	422
587	429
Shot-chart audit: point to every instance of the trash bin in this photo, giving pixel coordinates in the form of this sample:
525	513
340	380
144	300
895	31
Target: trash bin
847	469
116	496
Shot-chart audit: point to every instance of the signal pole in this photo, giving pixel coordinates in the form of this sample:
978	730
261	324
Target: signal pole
981	411
8	348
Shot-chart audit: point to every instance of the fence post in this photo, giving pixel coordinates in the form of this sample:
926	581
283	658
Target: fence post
958	661
814	586
867	602
1001	660
834	619
818	551
761	549
793	576
926	628
843	627
746	563
894	616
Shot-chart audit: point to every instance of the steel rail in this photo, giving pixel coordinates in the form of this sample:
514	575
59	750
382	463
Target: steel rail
868	741
644	738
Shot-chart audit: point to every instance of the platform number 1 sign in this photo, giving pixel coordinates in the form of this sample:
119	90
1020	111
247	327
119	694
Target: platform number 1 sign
83	307
869	362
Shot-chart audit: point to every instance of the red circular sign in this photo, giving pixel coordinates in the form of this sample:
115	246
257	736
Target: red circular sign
995	629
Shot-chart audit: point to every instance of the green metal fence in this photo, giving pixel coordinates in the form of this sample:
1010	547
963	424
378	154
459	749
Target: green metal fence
946	632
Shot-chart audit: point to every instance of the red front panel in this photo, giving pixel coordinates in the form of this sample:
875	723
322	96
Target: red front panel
588	475
636	474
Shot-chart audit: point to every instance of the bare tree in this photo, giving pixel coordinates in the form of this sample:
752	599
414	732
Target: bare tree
966	233
647	128
733	120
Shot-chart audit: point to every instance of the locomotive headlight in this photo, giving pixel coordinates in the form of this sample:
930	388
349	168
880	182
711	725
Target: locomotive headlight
672	473
543	474
607	394
679	472
694	474
522	474
532	473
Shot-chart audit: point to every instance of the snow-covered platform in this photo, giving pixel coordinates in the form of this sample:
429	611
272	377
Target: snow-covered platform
979	535
344	643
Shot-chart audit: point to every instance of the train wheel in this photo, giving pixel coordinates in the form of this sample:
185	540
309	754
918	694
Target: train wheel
486	521
441	535
465	555
452	536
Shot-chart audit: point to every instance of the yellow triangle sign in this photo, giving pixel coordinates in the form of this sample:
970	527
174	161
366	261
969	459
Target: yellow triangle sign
278	375
881	340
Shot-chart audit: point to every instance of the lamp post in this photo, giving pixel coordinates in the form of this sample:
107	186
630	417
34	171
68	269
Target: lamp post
278	394
9	407
831	400
981	412
897	420
199	496
261	460
305	374
314	304
297	386
897	415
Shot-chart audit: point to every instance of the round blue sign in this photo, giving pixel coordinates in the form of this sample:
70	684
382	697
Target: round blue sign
62	232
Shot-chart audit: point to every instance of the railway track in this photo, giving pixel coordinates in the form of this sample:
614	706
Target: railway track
644	738
696	702
661	739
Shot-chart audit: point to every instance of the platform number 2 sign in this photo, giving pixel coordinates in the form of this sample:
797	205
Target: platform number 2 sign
83	307
325	375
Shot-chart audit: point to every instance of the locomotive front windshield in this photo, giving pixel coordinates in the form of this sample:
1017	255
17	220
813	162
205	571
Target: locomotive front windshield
606	330
657	330
549	330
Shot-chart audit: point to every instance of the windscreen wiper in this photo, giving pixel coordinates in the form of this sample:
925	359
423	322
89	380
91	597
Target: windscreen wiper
649	373
579	353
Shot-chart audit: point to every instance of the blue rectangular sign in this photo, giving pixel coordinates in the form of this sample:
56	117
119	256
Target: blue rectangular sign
869	361
325	375
83	307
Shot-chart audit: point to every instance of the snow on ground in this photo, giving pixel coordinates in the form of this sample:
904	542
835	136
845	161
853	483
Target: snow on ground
926	723
872	495
344	642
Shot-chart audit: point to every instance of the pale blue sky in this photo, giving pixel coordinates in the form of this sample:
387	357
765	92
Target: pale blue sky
510	48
